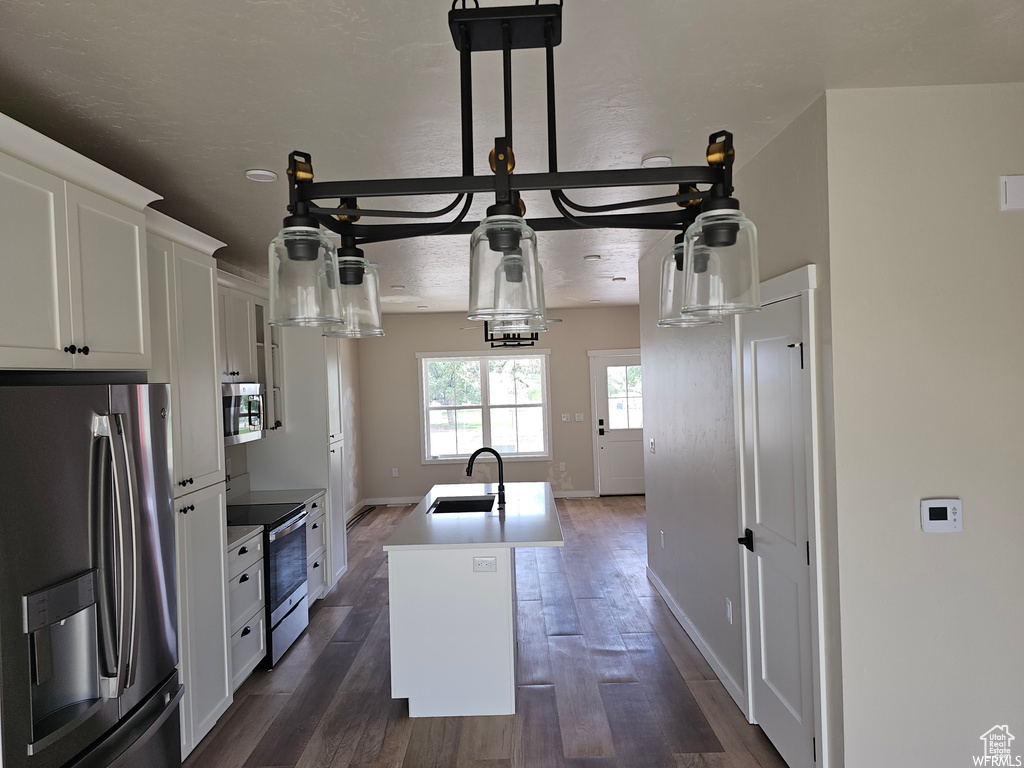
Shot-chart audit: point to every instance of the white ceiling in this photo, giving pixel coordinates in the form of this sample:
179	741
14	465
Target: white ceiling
184	96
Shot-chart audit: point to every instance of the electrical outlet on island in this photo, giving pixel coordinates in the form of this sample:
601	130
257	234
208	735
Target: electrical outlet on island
394	471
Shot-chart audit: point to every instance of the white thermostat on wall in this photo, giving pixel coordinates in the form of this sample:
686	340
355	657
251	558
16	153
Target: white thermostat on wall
942	515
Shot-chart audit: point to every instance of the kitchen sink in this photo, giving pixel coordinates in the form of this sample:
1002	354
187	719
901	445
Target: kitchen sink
462	504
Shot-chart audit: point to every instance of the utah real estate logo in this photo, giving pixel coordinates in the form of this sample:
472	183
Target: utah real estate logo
997	749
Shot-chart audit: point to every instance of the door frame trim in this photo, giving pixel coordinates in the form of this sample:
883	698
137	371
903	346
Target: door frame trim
591	354
802	280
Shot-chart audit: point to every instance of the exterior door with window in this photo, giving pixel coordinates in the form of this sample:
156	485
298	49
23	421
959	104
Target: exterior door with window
617	397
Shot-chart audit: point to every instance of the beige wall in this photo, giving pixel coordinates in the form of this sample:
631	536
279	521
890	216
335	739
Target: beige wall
391	411
928	276
692	482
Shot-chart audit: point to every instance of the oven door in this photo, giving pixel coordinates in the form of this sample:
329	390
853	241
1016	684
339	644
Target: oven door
286	566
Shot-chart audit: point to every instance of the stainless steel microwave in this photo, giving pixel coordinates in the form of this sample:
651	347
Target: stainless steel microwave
244	413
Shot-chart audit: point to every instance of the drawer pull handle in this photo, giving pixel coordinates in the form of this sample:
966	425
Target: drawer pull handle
316	563
71	349
84	350
244	578
315	526
315	505
189	508
243	551
246	631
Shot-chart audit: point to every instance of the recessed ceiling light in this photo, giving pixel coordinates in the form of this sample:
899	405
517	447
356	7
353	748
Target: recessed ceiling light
656	161
595	301
592	257
618	279
397	287
260	174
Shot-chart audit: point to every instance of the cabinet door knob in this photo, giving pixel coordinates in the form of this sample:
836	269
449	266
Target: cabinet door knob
183	483
190	481
246	631
316	563
243	551
315	526
332	450
84	350
71	349
315	505
244	578
189	508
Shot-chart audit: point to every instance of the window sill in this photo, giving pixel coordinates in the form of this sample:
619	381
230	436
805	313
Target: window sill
487	459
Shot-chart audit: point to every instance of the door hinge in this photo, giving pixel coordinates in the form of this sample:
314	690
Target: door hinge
808	552
801	345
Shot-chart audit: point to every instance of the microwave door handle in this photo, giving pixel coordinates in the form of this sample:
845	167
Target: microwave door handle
132	568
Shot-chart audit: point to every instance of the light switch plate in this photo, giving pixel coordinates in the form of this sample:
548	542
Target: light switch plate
579	417
942	515
565	417
485	565
651	445
1011	193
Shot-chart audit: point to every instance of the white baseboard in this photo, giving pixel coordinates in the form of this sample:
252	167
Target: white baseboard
394	500
574	494
735	689
353	510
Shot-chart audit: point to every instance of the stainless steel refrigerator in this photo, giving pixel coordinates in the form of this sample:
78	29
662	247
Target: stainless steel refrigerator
88	622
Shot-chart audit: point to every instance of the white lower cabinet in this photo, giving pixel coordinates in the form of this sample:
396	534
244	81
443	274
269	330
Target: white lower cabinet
316	550
336	499
204	654
246	600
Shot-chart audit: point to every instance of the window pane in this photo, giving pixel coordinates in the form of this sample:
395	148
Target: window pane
501	382
617	415
503	430
470	430
527	376
442	433
635	409
453	382
531	430
633	382
616	380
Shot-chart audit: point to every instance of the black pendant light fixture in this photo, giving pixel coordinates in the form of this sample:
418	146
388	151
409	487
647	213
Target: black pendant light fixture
710	273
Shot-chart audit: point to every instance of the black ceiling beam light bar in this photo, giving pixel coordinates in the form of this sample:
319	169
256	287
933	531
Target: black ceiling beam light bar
709	273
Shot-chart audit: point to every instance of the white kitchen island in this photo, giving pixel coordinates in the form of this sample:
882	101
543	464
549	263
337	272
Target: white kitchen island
451	578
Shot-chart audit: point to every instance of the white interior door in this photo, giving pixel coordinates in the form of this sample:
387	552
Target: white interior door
776	404
617	397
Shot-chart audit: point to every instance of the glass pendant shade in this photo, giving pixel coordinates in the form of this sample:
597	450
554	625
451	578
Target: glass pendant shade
532	325
505	278
720	265
359	289
673	291
303	278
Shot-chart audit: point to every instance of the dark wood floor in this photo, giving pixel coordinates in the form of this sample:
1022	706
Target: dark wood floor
607	677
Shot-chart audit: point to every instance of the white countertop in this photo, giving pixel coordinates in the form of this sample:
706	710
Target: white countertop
530	520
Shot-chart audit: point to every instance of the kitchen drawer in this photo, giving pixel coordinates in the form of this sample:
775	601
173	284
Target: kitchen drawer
245	595
244	553
316	577
248	647
316	534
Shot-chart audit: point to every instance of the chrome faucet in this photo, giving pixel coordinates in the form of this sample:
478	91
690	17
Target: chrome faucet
501	472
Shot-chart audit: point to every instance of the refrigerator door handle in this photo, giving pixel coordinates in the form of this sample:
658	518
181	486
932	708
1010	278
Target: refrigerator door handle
132	569
112	427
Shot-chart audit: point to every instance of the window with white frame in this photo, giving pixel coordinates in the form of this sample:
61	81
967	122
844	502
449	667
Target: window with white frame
469	401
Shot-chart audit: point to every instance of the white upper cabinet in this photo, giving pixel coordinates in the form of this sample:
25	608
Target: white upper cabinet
110	320
35	308
335	400
183	296
238	331
75	291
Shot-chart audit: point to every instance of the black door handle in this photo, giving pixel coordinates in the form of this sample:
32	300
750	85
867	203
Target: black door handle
747	539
